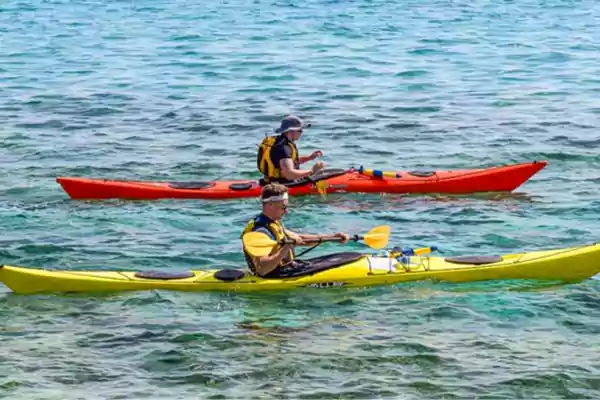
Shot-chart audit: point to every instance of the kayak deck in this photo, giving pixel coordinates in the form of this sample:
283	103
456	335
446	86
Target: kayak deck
494	179
567	265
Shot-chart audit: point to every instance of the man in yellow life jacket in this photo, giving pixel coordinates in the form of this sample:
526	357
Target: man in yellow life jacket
274	200
278	159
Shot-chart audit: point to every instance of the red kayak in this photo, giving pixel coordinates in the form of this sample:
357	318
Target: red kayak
495	179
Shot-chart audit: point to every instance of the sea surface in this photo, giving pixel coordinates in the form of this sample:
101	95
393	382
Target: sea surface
185	90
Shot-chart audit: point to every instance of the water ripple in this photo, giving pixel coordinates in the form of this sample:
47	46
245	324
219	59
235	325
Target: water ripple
180	90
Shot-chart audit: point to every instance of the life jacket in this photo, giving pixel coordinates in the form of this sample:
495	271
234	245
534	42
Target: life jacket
264	161
277	230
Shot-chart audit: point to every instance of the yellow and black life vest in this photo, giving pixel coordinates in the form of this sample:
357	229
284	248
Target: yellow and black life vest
277	231
264	161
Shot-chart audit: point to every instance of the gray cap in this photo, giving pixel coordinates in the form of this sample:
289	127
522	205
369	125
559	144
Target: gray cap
291	123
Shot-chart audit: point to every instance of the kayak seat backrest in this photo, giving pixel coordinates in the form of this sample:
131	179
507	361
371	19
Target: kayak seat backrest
164	275
191	185
229	274
474	260
241	186
319	176
422	174
318	264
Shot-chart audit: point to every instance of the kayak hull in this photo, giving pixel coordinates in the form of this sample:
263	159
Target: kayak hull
495	179
567	265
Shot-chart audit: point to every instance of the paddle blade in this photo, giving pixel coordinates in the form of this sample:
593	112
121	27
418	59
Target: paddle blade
322	188
258	244
377	238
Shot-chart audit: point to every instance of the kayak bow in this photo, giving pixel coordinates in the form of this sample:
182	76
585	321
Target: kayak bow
495	179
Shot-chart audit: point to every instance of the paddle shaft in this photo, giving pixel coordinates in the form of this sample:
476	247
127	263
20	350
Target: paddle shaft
354	238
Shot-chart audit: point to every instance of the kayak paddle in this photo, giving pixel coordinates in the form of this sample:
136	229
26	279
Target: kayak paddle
260	244
322	187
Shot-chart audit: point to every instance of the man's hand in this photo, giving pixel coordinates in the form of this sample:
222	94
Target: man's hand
317	167
315	154
298	241
345	237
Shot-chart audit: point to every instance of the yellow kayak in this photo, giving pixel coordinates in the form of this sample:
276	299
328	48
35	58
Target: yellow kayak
567	265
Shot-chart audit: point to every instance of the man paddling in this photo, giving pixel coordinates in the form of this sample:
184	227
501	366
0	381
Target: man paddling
274	200
278	158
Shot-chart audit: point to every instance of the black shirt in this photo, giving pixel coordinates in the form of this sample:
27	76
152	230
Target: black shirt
281	150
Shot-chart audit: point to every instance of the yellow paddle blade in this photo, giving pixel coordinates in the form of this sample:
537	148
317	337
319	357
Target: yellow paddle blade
422	250
258	244
377	238
322	188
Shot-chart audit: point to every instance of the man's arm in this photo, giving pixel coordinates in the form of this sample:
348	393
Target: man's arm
291	173
312	237
283	156
266	264
314	155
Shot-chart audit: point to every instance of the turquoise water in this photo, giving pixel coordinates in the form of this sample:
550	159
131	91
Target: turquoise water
184	90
